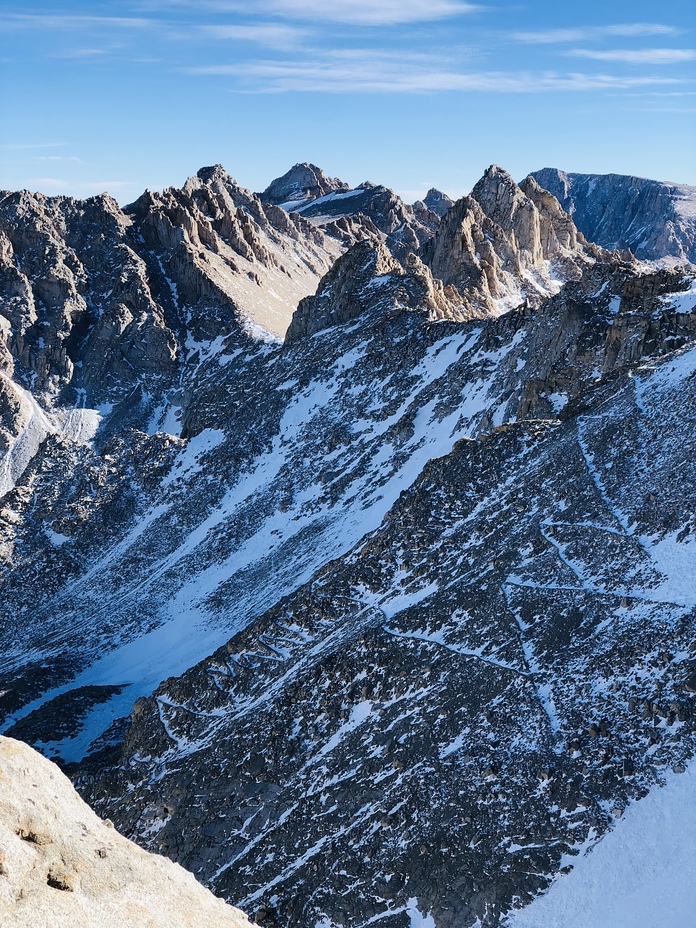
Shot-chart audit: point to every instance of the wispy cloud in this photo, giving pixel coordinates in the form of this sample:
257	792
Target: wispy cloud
57	158
86	53
636	56
22	146
354	12
272	35
370	12
68	21
590	33
368	72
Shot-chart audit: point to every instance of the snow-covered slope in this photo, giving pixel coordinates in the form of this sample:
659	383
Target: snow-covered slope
461	704
301	450
639	876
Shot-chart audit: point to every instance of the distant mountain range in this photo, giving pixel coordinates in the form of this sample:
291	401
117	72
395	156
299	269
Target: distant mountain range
653	219
345	544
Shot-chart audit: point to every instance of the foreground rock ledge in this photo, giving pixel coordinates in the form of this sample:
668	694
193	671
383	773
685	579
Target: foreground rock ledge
62	866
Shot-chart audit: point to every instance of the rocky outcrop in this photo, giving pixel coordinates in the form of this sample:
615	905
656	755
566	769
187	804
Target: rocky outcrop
118	292
504	245
76	293
654	219
61	865
368	280
401	229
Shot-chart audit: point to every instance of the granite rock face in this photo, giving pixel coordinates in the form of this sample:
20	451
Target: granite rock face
369	280
61	865
654	219
505	244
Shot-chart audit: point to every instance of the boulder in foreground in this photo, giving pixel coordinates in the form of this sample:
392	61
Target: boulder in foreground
62	866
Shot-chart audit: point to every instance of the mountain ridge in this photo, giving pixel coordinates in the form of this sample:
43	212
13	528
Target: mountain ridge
653	218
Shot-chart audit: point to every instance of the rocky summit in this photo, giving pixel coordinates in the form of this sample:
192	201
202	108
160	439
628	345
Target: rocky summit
437	202
346	547
505	244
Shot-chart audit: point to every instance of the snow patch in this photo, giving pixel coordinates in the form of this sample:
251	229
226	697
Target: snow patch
418	920
640	875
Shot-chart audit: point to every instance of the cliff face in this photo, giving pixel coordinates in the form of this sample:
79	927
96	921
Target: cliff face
654	219
505	244
61	865
117	293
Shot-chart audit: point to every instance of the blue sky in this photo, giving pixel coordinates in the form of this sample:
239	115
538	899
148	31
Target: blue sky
130	94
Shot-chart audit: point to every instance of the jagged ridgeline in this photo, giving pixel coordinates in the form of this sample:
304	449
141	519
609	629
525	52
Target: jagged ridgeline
397	500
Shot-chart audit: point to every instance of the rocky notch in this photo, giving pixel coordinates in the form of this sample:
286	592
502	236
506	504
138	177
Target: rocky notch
61	865
506	244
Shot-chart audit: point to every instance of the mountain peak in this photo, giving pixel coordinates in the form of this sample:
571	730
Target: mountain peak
495	246
437	201
215	172
497	191
304	181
